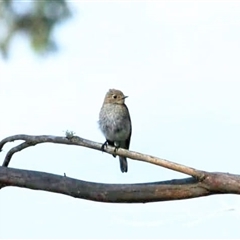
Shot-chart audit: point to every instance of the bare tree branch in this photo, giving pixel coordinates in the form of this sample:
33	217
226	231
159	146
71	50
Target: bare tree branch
215	183
74	140
18	148
201	184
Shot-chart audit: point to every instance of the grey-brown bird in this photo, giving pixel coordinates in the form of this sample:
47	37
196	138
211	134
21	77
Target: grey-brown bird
115	123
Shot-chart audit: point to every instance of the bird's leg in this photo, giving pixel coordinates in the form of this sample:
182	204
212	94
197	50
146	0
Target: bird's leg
110	143
116	148
104	145
116	145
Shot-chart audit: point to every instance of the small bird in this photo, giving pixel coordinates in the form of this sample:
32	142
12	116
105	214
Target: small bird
115	123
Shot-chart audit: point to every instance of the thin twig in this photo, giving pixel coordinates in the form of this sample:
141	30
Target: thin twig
75	140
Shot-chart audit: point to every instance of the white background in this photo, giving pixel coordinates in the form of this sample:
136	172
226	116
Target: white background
178	61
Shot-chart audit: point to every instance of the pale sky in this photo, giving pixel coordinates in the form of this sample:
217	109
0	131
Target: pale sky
178	61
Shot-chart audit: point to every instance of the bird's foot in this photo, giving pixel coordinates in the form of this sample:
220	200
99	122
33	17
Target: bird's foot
116	148
104	145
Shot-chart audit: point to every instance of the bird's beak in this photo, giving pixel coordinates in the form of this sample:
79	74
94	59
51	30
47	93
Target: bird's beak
125	97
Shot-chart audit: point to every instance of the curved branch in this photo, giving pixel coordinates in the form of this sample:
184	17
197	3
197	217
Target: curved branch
13	150
211	183
75	140
215	183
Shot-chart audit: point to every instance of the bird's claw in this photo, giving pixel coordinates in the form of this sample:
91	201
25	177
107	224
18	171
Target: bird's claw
104	145
116	148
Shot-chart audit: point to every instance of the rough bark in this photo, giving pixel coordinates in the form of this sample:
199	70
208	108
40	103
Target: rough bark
201	183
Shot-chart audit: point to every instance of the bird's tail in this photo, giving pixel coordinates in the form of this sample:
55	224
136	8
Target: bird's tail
123	164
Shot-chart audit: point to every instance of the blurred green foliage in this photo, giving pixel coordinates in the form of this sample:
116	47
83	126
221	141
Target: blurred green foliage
34	18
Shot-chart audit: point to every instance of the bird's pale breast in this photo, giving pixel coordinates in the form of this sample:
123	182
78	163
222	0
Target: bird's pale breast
115	122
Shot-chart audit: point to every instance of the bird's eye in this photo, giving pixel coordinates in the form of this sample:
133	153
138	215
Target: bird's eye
114	96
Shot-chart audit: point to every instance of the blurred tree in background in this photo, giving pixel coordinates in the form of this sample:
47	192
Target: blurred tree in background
36	19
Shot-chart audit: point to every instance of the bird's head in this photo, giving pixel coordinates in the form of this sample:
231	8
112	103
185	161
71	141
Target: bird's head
115	96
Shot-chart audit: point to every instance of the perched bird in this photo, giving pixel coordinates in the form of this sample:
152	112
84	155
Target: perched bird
115	123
